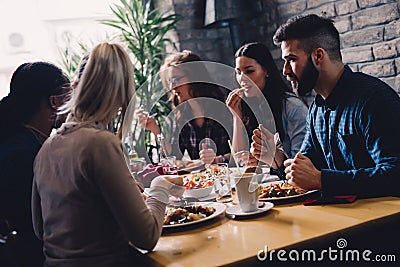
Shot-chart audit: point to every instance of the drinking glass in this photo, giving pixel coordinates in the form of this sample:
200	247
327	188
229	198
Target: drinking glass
137	165
169	165
222	184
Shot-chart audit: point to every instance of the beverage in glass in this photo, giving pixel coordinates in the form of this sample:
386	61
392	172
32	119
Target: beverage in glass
169	165
222	183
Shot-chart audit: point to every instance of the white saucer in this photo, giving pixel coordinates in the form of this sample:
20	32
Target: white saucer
236	211
210	197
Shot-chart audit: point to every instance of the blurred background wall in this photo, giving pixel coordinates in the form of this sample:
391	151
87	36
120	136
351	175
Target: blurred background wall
370	29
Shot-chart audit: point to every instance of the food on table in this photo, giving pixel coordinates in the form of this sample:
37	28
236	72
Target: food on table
197	180
280	190
176	215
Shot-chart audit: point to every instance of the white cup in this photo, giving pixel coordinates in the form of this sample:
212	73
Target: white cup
247	192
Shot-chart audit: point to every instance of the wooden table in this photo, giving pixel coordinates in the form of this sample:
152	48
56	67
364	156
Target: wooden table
223	241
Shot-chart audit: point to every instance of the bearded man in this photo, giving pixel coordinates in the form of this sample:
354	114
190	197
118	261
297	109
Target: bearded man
353	126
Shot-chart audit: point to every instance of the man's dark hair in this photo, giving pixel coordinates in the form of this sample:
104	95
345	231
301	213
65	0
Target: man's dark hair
313	32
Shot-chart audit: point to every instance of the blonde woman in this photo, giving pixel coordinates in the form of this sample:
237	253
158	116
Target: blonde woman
86	206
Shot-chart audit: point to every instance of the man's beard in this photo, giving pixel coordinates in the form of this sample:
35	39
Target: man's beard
307	79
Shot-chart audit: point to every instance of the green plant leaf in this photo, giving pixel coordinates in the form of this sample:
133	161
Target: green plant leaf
143	30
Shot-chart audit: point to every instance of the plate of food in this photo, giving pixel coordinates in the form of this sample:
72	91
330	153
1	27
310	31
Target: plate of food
194	213
281	190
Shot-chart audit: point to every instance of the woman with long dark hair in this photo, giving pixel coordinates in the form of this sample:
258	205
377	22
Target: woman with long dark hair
262	92
27	115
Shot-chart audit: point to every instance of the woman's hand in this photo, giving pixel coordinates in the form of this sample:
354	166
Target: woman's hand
263	145
147	122
233	101
177	188
207	155
175	179
173	183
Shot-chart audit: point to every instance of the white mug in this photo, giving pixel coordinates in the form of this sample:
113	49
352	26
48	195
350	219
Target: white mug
247	192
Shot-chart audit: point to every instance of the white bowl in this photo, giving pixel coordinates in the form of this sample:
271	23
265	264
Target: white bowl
198	192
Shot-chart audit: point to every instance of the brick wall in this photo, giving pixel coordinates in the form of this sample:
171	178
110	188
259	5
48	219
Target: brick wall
210	44
369	29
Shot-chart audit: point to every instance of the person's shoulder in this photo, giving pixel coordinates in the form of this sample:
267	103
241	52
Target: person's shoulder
85	137
20	147
367	91
293	98
89	143
365	85
21	139
100	136
293	102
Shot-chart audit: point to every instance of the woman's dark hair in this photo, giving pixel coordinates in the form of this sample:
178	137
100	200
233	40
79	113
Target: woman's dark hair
273	91
31	84
191	64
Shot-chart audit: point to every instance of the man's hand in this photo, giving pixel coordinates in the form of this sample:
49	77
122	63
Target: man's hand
301	172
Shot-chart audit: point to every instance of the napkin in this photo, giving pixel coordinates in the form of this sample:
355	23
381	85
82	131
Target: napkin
331	200
186	156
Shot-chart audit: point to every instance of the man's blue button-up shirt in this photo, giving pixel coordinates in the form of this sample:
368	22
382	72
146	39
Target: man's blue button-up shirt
353	137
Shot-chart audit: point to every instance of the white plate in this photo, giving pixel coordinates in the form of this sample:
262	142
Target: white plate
236	211
196	164
210	197
207	198
219	209
287	197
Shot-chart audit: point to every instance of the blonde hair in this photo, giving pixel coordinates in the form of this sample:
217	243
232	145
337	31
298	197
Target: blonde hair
106	85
